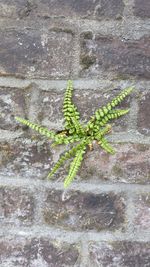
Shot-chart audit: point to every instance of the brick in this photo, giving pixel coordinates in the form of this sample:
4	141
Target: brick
12	103
82	9
142	212
31	53
142	8
17	206
109	55
123	253
42	252
143	120
84	211
50	107
130	164
26	158
87	102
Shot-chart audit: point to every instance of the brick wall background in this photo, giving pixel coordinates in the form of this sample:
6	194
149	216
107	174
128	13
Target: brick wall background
104	217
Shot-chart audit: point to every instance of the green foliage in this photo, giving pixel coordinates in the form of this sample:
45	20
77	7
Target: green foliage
83	135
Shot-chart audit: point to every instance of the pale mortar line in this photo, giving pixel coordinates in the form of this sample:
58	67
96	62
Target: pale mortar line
118	236
81	186
130	27
84	251
130	213
133	115
71	236
76	55
129	137
10	81
39	196
88	84
34	103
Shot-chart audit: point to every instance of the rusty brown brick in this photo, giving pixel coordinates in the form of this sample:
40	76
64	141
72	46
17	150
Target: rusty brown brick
121	58
27	158
123	253
130	164
12	103
17	206
31	53
42	252
84	211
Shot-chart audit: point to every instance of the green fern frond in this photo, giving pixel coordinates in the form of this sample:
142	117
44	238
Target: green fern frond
106	146
116	113
69	109
38	128
100	113
78	127
113	114
74	167
66	140
101	117
71	113
117	100
67	155
100	133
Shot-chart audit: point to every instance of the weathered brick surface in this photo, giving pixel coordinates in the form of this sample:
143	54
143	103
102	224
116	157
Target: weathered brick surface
39	252
122	58
142	8
33	53
116	254
84	211
83	9
16	206
12	103
88	101
142	212
143	114
26	158
130	164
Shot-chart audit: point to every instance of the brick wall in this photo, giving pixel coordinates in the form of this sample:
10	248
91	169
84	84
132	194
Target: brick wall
104	217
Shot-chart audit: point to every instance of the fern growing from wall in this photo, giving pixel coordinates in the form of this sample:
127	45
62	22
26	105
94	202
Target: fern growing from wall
79	134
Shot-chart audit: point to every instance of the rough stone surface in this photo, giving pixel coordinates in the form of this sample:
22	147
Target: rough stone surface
13	8
116	254
26	158
38	252
16	206
142	8
130	164
142	212
121	58
85	9
84	211
143	114
12	103
34	53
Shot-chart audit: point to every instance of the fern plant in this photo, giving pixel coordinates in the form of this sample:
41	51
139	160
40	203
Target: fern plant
82	135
